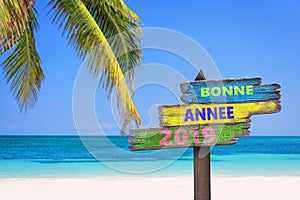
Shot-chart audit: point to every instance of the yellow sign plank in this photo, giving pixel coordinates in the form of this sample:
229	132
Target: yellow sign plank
193	114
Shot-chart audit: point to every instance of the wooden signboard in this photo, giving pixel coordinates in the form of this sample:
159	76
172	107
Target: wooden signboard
216	112
206	121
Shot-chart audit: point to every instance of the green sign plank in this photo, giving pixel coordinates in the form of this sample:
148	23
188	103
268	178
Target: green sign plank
191	136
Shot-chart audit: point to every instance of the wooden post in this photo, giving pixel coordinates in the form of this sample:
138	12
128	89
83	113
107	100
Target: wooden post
202	189
202	174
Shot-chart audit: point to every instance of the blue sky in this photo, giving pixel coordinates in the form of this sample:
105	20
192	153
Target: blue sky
244	38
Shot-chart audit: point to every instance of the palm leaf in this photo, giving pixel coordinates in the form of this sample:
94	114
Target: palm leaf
121	26
107	35
22	68
14	15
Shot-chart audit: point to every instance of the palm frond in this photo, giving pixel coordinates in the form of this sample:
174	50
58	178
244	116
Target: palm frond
122	28
107	35
22	68
14	15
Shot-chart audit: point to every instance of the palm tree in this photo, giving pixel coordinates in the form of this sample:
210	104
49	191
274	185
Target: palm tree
105	33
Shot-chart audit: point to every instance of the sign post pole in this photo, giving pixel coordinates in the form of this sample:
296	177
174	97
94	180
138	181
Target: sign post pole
202	189
202	174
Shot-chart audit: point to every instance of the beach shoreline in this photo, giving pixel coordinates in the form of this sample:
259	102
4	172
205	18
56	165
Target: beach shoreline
148	188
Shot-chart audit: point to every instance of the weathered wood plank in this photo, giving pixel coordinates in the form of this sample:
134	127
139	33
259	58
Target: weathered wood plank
192	136
228	90
203	114
259	96
187	87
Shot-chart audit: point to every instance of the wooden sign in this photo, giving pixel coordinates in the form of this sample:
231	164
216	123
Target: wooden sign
228	90
217	113
179	137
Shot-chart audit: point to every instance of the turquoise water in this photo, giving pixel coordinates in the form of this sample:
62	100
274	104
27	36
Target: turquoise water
41	156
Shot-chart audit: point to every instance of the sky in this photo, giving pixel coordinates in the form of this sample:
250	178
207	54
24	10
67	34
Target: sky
244	39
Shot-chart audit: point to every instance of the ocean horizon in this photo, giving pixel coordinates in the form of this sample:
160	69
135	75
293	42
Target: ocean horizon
72	157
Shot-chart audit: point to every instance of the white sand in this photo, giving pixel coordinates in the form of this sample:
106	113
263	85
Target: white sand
141	188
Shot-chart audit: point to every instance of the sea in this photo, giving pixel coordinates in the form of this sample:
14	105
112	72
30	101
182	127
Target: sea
90	156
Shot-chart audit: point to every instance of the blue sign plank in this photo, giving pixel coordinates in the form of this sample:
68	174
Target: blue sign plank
228	90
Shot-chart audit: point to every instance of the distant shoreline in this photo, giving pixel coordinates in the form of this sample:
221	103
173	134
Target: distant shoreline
71	156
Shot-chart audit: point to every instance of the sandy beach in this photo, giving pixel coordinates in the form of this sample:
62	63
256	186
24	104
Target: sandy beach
146	188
